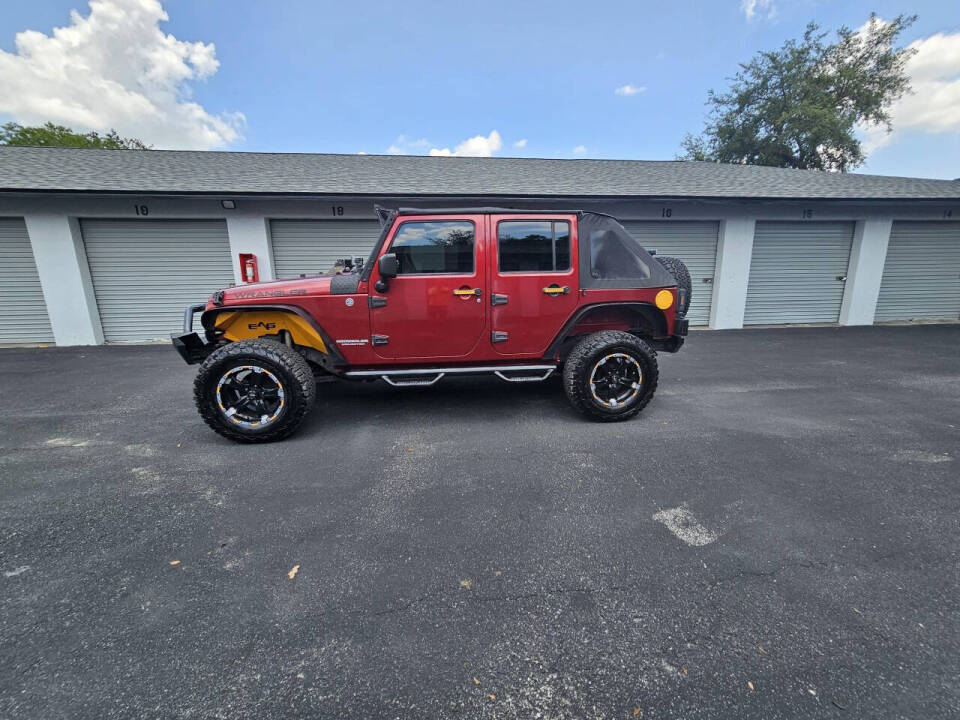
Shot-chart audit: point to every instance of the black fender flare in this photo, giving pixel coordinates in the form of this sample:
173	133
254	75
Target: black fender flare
208	318
646	310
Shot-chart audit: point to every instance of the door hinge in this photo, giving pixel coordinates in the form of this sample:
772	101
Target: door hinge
376	301
379	339
498	299
498	336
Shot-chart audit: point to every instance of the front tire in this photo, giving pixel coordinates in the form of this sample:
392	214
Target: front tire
610	375
254	391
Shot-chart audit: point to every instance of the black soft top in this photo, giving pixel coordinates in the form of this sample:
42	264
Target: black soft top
610	257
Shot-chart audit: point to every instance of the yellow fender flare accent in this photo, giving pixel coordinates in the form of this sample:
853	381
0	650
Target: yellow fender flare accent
257	323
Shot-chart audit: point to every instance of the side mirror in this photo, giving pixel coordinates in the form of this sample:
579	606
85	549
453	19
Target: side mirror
388	265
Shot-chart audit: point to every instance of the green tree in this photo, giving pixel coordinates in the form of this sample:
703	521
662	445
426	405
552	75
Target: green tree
799	106
50	135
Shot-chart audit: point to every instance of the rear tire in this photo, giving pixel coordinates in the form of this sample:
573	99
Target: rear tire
254	391
678	269
610	375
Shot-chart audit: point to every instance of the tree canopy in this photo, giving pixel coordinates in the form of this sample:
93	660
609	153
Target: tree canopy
799	106
50	135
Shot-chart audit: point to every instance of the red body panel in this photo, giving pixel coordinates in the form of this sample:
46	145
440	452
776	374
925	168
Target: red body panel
427	323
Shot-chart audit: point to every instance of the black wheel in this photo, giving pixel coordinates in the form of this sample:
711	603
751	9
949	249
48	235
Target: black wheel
680	273
610	375
254	390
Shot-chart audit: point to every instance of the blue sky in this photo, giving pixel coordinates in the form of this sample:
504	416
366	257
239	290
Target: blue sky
415	76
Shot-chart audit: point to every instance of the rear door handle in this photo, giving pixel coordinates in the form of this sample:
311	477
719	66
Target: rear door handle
467	291
556	290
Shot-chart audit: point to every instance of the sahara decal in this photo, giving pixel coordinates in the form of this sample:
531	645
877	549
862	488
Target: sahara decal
352	341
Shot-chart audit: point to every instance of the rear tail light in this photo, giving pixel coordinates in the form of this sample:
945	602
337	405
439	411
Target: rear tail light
681	298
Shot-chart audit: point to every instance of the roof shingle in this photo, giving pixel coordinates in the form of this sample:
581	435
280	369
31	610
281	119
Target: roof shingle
244	173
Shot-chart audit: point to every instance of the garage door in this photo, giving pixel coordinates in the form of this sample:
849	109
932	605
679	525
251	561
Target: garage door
921	277
693	242
146	272
25	317
794	272
308	247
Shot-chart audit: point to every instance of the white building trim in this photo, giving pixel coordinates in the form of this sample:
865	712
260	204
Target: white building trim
867	257
251	234
734	249
65	278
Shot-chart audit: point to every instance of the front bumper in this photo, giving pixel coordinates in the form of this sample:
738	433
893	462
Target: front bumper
189	344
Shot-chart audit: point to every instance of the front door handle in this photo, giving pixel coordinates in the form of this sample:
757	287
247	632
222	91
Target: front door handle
460	292
556	290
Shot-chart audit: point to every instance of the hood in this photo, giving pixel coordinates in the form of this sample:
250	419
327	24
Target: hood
271	289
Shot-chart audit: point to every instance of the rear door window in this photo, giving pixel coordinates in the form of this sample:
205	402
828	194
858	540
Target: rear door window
533	246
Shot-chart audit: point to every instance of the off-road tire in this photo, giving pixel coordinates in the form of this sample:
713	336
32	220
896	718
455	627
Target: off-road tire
678	269
285	363
587	353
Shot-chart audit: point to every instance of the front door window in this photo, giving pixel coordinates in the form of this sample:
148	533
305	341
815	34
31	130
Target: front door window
435	248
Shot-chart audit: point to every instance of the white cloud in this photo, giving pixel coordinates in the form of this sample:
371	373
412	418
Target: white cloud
753	8
934	105
628	90
520	144
115	68
580	150
407	146
477	146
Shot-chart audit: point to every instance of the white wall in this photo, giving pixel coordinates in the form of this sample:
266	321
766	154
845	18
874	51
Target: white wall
867	257
65	278
250	233
52	222
734	249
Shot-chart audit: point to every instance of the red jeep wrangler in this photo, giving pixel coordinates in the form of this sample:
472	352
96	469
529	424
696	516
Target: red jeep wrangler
517	294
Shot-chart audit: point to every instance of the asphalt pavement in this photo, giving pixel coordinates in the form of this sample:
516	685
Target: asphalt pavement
775	536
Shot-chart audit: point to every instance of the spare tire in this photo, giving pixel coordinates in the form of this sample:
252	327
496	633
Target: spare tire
677	268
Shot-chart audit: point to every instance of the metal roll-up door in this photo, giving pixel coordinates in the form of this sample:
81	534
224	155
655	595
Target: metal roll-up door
25	318
693	242
921	275
146	272
797	272
308	247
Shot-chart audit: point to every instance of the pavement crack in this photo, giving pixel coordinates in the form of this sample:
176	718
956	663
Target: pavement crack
400	607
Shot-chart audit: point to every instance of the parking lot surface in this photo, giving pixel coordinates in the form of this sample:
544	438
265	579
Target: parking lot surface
775	536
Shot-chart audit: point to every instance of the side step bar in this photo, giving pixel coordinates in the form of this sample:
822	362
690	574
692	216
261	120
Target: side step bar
424	377
412	382
526	378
